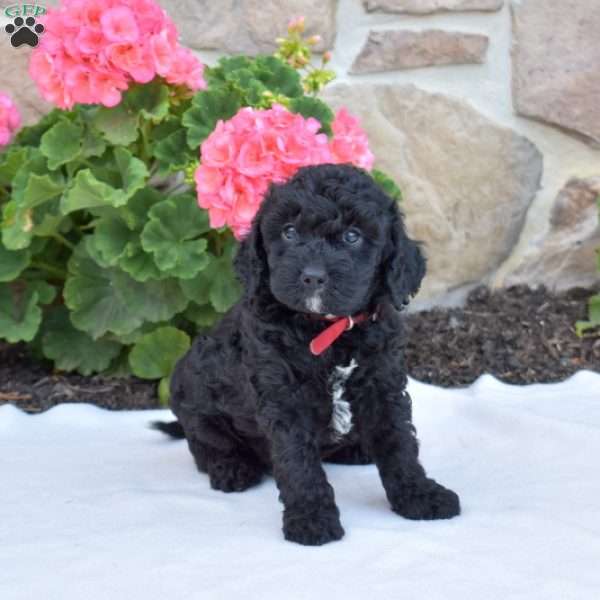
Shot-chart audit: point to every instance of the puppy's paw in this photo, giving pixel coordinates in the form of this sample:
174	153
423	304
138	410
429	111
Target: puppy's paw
313	529
427	500
234	474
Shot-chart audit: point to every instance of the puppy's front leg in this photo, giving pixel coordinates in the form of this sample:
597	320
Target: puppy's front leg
386	427
310	514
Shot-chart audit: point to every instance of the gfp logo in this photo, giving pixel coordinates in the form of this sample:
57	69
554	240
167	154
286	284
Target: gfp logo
24	10
24	29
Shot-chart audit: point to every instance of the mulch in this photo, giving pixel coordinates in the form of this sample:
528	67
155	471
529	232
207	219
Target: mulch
33	386
519	335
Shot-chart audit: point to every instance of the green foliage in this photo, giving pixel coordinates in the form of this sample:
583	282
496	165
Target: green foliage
174	236
387	184
593	317
72	349
593	322
20	309
61	143
155	354
12	263
98	234
107	264
206	110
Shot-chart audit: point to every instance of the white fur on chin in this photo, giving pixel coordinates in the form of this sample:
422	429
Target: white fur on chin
315	304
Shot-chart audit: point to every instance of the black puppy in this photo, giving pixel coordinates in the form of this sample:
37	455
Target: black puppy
286	380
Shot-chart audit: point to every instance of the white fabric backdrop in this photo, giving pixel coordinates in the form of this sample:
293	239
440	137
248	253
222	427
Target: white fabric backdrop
96	506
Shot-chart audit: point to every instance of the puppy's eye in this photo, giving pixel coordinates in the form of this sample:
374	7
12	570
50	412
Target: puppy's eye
352	236
289	233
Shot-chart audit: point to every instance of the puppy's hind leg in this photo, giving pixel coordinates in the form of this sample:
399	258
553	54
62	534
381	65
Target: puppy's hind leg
230	464
215	444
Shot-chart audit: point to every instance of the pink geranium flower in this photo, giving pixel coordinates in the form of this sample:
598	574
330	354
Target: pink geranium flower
350	143
119	25
10	119
93	49
243	155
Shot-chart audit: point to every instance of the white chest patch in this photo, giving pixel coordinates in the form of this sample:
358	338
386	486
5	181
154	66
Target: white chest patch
341	417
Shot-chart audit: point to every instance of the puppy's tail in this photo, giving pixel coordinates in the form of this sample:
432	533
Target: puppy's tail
174	428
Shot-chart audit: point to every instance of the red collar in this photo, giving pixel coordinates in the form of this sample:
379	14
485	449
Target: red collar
328	336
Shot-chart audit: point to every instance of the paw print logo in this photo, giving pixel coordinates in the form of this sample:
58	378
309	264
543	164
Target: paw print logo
24	32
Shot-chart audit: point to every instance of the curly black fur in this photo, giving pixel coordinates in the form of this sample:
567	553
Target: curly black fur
250	396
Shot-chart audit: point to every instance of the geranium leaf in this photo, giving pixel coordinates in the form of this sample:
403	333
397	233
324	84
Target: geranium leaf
61	143
313	107
139	264
118	125
155	354
46	292
225	290
173	236
32	134
10	162
116	239
87	191
278	76
37	164
203	316
216	284
135	214
173	150
197	289
17	226
47	219
108	300
131	338
133	171
387	184
225	66
72	349
12	263
20	314
110	239
92	143
40	189
150	99
207	108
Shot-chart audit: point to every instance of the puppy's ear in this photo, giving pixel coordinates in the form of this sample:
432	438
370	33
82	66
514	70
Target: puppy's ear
403	264
250	262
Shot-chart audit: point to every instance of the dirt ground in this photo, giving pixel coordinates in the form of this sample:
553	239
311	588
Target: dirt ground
519	335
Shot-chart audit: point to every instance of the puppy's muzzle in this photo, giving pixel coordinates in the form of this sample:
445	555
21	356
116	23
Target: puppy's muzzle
313	280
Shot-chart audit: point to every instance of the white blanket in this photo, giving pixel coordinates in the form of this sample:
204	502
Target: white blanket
94	505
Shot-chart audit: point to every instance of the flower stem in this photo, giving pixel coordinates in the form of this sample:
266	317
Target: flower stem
62	240
50	269
146	154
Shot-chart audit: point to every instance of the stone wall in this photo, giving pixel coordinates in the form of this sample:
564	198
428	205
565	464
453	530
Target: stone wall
487	112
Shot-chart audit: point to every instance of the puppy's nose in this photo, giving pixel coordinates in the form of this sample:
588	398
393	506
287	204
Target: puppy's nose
313	277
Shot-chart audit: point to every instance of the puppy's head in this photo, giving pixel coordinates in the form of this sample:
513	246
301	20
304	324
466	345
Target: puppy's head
330	242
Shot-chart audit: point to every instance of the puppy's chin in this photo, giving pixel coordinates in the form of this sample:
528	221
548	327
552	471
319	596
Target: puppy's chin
317	305
314	304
